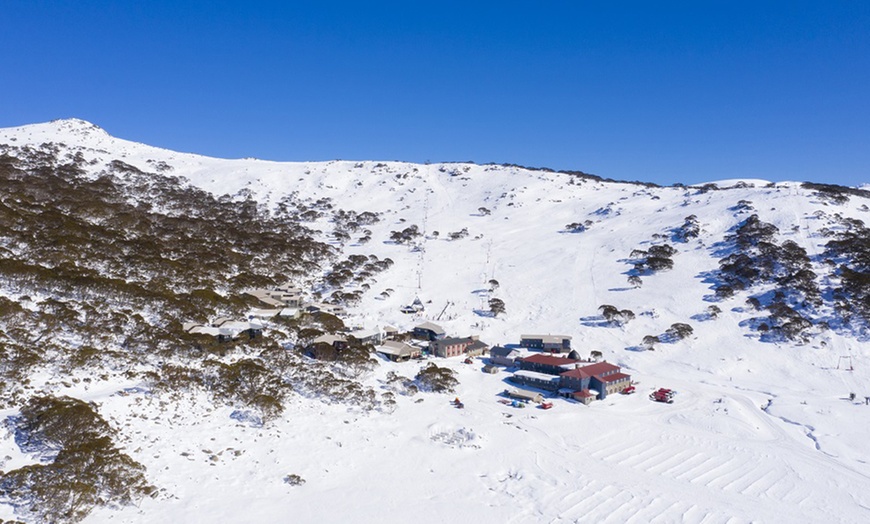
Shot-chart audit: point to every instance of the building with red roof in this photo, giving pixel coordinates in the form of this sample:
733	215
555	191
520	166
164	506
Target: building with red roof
574	378
603	377
549	364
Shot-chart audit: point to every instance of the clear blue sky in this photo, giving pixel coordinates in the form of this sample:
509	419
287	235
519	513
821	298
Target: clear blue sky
655	91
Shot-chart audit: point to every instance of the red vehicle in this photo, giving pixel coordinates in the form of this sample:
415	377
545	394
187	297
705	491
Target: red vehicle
628	391
663	395
546	405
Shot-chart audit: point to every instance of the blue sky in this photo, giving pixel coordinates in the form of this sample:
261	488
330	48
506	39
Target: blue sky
655	91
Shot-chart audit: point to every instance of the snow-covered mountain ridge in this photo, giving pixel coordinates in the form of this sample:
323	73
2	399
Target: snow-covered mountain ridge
559	246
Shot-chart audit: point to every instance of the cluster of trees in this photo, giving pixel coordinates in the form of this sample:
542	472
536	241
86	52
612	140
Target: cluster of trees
401	384
834	193
350	222
127	256
849	251
678	331
616	316
85	469
405	236
757	259
436	379
358	270
784	322
578	227
743	206
689	230
355	359
496	306
128	233
656	258
456	235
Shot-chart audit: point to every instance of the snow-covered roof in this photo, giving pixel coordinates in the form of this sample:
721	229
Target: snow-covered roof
233	328
263	313
328	339
365	333
435	328
206	330
522	393
400	349
537	376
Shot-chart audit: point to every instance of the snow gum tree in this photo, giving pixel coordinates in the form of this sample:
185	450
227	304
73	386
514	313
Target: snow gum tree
496	306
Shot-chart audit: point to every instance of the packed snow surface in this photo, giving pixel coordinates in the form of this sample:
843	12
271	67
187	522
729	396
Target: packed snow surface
758	432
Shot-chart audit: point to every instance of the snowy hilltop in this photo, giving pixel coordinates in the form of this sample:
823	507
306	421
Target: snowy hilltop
209	325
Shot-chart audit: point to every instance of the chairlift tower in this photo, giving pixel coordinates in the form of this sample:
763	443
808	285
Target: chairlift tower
846	362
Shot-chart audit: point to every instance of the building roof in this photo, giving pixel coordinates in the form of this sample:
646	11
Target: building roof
365	333
599	368
288	288
263	313
591	370
585	393
616	377
243	325
222	326
522	393
263	296
315	307
205	330
400	349
435	328
553	339
499	351
537	376
475	344
575	373
233	328
269	301
328	339
395	344
550	360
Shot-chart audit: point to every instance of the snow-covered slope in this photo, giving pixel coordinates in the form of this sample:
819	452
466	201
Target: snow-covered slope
760	431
